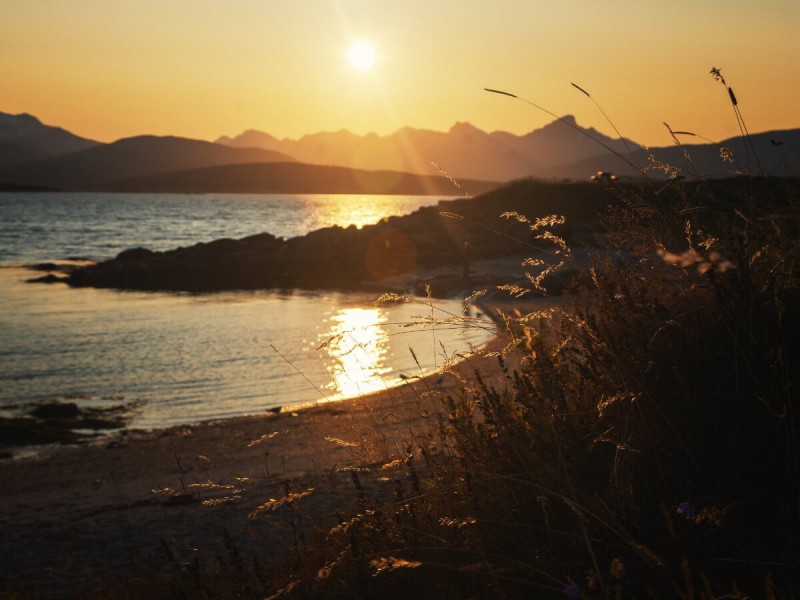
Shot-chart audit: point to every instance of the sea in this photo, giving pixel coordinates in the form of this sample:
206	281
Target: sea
169	359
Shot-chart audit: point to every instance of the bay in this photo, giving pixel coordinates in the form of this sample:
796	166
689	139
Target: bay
181	358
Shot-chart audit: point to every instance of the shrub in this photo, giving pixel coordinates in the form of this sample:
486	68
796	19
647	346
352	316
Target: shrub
646	445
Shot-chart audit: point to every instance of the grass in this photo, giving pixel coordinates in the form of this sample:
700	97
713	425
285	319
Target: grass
646	448
645	445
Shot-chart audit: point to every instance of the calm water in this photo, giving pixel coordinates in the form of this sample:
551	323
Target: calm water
35	227
182	358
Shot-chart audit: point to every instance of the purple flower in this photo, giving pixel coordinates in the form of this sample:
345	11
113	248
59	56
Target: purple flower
687	510
572	592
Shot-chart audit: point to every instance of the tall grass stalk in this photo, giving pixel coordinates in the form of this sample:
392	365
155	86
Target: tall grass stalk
637	440
573	126
716	74
610	122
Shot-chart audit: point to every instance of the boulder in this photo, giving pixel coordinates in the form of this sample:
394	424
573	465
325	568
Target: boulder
56	411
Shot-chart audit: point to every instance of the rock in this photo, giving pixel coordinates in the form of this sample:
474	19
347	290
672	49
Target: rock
46	266
135	254
25	431
56	410
50	278
396	250
53	267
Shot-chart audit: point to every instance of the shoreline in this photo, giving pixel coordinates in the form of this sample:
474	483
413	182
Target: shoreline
55	426
101	437
106	507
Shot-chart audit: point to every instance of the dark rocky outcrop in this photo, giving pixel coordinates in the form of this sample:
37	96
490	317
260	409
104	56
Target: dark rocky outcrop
56	410
392	254
59	422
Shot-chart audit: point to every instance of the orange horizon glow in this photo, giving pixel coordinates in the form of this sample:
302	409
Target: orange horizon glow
201	70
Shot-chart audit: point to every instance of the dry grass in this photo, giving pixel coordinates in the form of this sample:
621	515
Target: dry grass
645	447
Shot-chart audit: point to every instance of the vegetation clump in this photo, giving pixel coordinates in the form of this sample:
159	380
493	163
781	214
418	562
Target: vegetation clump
646	446
640	442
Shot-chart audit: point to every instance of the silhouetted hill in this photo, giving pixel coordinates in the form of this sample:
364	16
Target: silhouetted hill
463	151
778	154
24	138
36	155
293	178
559	142
12	154
130	158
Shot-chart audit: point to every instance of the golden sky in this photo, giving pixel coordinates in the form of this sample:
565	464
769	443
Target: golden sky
107	69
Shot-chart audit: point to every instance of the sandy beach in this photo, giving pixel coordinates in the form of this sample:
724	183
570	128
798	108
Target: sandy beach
111	510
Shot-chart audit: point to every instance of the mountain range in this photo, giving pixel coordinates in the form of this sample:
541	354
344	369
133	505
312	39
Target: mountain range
409	160
560	150
129	158
463	152
23	139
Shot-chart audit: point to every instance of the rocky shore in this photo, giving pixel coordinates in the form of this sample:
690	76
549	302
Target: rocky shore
398	254
115	506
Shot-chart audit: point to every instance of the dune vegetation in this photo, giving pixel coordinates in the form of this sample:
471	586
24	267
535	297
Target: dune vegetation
646	447
642	441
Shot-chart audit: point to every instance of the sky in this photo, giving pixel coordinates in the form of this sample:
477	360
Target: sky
204	68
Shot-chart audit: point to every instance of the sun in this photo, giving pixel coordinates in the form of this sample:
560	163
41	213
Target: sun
362	55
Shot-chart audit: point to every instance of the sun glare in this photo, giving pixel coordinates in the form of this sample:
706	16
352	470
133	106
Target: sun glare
357	345
362	55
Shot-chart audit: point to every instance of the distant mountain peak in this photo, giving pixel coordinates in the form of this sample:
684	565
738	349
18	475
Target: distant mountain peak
131	157
559	123
26	138
21	118
249	137
468	151
461	127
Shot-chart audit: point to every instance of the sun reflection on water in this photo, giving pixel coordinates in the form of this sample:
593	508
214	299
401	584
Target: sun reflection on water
357	344
358	210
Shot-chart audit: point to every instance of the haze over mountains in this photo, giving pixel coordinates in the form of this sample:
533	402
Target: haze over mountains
769	153
40	157
560	150
463	152
33	154
133	157
295	178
